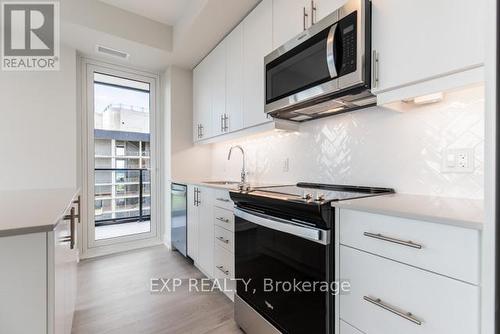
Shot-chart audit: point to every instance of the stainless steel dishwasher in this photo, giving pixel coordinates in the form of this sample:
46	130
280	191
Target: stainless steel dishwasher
179	217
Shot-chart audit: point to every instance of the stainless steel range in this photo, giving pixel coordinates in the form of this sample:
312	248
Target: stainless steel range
283	234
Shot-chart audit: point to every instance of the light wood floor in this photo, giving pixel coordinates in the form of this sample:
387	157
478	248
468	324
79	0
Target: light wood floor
114	297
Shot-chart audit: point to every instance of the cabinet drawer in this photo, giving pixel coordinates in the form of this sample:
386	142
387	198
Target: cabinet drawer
224	238
345	328
444	249
223	263
224	218
382	288
222	200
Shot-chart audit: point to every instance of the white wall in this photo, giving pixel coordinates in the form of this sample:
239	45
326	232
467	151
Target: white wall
38	127
375	146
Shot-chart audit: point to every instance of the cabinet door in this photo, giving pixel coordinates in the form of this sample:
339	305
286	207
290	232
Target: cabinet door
64	279
192	223
23	284
417	40
257	43
217	70
202	99
197	100
288	20
234	79
206	231
323	8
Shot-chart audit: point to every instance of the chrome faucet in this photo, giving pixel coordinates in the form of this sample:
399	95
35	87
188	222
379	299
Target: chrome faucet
243	184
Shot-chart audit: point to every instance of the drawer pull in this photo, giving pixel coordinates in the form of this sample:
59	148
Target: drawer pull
222	219
223	240
405	315
223	200
393	240
221	268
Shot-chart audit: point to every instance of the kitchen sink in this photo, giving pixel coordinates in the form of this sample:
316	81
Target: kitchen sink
222	183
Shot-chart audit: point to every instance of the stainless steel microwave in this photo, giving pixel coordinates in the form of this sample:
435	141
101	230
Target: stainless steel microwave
324	70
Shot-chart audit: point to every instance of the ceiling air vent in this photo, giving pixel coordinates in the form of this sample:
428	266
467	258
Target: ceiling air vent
111	52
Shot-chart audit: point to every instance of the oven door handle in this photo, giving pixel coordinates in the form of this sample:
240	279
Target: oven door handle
330	55
283	225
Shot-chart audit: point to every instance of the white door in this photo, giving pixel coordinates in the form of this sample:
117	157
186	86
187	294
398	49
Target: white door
417	40
234	79
323	8
192	222
257	43
217	60
121	187
289	20
206	230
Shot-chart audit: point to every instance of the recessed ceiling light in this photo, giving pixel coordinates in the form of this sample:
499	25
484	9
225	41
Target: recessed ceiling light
112	52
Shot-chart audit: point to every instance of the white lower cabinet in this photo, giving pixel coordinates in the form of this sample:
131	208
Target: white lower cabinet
211	234
388	297
200	227
38	294
345	328
224	270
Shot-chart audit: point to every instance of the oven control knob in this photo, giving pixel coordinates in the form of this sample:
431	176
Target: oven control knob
319	197
306	195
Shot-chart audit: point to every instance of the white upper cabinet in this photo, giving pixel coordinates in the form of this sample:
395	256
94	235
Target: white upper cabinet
202	101
234	80
322	8
217	84
289	20
421	40
257	43
291	17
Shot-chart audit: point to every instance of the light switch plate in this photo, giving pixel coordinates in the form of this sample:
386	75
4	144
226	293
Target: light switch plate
459	160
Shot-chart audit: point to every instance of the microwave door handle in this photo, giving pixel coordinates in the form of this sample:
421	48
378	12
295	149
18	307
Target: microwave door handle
330	55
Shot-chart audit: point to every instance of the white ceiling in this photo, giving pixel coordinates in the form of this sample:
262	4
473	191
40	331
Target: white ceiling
164	11
155	33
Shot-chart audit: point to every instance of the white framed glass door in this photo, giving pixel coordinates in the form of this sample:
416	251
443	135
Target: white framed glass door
121	157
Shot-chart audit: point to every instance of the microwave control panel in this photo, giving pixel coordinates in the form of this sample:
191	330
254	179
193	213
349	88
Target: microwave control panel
348	37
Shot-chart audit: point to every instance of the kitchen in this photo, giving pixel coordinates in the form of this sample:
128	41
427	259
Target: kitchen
337	142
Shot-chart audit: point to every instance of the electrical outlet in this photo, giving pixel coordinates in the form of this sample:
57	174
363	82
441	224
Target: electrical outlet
459	160
286	165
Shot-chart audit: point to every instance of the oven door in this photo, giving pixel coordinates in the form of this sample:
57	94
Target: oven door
271	255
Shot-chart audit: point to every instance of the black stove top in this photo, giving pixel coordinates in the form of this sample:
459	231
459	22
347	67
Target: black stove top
318	193
310	202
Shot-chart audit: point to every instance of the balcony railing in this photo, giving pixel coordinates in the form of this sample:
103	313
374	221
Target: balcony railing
122	177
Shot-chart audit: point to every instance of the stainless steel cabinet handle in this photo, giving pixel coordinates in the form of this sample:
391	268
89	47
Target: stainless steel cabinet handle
223	240
222	219
223	199
198	196
221	268
305	15
374	69
221	123
226	123
405	315
393	240
313	12
78	202
71	238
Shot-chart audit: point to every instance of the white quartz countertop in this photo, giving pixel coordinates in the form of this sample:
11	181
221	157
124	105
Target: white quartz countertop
206	183
33	211
466	213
